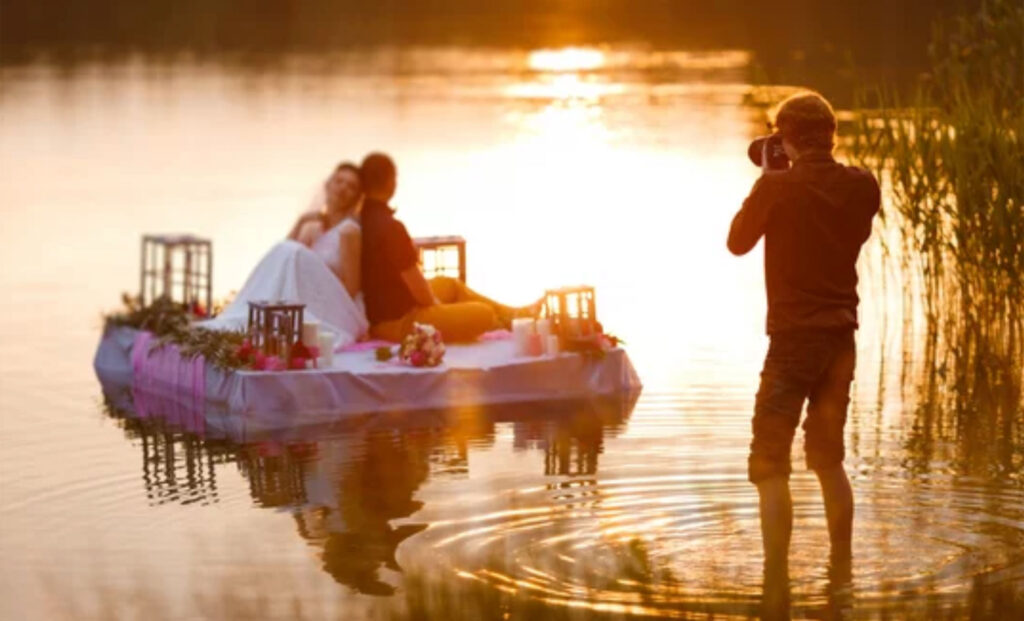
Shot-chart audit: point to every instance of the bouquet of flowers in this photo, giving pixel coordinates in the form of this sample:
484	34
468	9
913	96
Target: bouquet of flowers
422	347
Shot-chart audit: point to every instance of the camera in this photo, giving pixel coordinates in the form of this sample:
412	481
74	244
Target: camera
777	158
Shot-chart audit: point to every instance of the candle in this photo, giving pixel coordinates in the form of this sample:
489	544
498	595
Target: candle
535	345
521	330
552	345
544	328
311	333
327	349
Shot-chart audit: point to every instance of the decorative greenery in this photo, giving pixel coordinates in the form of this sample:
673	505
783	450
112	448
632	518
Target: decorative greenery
161	317
594	346
217	347
171	323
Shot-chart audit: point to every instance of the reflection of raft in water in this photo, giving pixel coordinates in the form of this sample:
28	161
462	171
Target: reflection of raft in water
480	375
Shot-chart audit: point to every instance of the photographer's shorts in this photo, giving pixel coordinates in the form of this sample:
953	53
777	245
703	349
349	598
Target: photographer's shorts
814	366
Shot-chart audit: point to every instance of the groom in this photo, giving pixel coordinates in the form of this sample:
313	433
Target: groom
814	217
395	291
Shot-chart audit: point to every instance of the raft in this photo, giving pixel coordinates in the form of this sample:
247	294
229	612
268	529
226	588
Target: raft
246	403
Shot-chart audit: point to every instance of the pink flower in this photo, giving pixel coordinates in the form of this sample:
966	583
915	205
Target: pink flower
259	361
418	358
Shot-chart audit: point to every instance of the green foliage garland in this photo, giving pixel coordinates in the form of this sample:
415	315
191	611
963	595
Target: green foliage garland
171	323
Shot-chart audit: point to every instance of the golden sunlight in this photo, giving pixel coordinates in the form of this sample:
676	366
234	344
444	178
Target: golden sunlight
566	59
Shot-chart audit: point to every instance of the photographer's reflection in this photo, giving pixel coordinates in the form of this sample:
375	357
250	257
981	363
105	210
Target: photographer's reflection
839	590
775	598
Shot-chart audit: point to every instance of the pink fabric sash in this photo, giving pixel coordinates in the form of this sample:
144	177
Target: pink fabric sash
167	385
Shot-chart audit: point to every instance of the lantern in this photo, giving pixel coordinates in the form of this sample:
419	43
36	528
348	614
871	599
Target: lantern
179	267
572	310
274	327
442	256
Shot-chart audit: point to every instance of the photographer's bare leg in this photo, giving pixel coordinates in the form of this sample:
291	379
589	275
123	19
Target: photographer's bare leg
776	507
838	496
826	418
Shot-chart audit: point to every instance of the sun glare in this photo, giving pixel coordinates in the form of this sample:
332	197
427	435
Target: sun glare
566	59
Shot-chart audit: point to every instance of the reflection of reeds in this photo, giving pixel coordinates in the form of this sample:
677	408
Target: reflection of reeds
950	159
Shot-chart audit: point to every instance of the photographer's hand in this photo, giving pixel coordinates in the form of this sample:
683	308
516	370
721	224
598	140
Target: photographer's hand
765	168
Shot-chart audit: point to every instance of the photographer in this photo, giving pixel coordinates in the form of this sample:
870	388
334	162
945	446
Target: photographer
814	216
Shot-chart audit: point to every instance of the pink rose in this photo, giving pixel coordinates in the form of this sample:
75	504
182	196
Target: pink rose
418	358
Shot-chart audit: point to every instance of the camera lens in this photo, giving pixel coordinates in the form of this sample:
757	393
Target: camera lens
777	158
755	150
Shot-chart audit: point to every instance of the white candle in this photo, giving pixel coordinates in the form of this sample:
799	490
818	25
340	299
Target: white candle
521	330
326	349
544	328
311	333
551	346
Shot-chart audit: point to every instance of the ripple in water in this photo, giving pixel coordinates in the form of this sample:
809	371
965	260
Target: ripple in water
688	541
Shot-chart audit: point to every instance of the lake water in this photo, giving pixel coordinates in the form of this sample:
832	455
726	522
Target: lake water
620	167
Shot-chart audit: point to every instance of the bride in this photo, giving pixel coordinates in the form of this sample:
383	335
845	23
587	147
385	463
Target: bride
317	265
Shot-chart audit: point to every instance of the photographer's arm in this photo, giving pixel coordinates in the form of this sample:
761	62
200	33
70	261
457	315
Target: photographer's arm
750	222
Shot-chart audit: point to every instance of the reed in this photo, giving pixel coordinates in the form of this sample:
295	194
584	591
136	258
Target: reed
949	154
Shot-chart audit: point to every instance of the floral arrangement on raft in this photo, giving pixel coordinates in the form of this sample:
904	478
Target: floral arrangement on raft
422	347
171	323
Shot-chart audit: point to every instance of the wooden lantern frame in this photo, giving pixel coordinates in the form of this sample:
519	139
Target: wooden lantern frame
435	253
275	327
179	267
572	310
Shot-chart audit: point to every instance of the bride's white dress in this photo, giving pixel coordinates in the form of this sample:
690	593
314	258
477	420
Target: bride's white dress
291	271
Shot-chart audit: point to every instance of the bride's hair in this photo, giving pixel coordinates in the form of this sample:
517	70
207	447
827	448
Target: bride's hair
350	167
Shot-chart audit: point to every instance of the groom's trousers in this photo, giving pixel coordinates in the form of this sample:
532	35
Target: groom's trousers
462	315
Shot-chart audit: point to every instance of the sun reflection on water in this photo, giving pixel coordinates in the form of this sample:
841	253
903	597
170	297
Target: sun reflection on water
566	59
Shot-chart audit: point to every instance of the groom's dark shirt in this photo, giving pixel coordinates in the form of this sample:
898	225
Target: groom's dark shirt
814	218
387	252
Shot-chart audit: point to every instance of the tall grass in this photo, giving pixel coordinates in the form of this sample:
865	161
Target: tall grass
951	157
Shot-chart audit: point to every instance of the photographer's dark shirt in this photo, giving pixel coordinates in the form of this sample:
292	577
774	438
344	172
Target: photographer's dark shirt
814	218
387	251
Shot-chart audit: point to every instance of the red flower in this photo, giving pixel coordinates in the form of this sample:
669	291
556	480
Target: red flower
244	352
198	309
299	350
297	362
418	358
